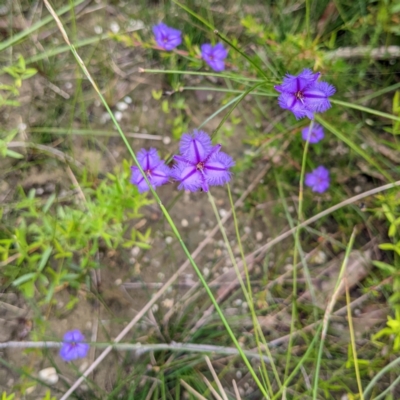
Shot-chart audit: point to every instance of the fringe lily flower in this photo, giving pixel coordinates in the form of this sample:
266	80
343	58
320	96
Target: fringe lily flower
304	95
166	37
318	180
73	346
214	56
317	133
201	164
155	169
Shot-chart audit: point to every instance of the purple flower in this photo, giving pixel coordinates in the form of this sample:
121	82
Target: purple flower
155	169
166	37
318	179
201	164
304	95
73	346
214	56
317	133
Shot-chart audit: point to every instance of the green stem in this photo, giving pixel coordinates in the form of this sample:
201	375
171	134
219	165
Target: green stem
328	311
162	207
379	375
222	37
200	73
257	329
308	12
44	21
365	109
246	293
295	251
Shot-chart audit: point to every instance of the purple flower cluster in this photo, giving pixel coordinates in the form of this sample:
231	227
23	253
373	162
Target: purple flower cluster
304	94
169	38
318	180
214	56
201	164
317	133
73	346
155	169
166	37
198	166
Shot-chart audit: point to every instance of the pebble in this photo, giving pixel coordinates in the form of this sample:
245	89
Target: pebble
154	308
114	27
222	212
118	115
105	117
29	390
118	282
168	303
319	258
239	374
185	223
128	100
247	230
259	236
48	375
238	302
121	106
168	240
135	251
206	272
98	29
161	276
166	140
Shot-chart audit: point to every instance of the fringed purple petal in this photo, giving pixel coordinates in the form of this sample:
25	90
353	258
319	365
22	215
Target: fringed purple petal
188	176
216	169
195	147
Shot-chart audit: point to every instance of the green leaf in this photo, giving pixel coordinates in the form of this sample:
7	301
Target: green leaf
156	94
385	267
49	202
45	258
13	154
24	278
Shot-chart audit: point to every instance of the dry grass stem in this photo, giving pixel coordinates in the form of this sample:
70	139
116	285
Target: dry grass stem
215	376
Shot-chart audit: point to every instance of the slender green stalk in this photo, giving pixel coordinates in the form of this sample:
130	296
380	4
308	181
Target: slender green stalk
240	98
225	90
162	207
353	146
296	247
257	329
223	38
44	21
200	73
299	249
247	293
365	109
328	312
62	49
382	395
214	114
299	364
308	12
353	343
379	375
